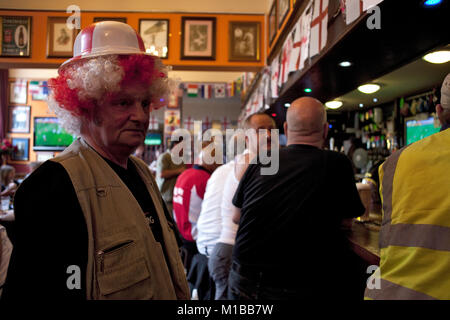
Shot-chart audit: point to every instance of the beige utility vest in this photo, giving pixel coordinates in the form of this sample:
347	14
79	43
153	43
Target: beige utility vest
124	260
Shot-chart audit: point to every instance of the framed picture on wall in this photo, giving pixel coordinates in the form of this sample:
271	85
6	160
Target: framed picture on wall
19	119
273	21
18	92
118	19
155	34
15	36
198	39
23	149
244	41
283	9
60	38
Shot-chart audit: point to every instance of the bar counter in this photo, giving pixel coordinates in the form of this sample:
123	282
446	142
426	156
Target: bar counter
363	239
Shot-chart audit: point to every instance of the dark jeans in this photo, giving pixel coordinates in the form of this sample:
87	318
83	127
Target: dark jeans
256	286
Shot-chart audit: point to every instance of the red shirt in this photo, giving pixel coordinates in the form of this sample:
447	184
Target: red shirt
187	200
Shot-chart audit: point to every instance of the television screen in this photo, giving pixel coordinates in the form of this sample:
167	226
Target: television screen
49	135
153	139
419	129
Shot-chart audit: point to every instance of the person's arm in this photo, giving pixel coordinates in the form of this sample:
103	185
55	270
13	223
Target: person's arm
163	165
50	235
236	214
167	174
9	190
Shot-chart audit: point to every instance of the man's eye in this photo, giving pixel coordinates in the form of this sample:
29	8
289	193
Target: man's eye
125	103
145	103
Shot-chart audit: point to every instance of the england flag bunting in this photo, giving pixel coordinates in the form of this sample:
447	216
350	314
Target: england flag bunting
300	34
319	27
274	73
153	123
188	124
355	8
285	58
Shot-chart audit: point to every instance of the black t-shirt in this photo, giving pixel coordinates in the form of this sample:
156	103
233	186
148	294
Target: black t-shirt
295	215
51	232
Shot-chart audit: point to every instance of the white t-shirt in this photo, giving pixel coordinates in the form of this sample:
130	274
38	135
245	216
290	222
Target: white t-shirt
209	222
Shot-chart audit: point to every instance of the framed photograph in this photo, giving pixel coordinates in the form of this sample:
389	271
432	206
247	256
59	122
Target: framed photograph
18	92
39	90
15	35
118	19
60	38
155	34
244	41
23	149
19	119
198	40
283	9
273	21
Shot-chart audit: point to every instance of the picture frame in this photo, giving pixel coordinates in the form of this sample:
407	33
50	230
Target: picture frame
244	41
272	22
155	33
198	39
18	91
118	19
23	149
60	38
19	119
282	10
15	36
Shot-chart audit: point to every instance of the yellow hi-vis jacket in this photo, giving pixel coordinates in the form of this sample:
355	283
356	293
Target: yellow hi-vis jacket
415	232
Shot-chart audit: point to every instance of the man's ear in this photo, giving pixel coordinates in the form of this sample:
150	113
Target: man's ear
439	110
325	130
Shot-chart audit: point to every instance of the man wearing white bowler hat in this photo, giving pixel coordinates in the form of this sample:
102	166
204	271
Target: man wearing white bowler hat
91	223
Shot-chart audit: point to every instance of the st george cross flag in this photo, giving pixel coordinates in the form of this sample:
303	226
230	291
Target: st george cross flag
153	123
319	27
285	57
188	124
274	73
367	4
192	90
353	9
301	32
219	90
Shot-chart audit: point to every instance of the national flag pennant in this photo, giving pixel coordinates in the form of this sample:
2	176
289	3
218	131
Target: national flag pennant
153	123
319	27
285	57
219	90
353	9
207	91
206	124
230	89
367	4
225	123
274	73
189	124
301	33
192	90
34	87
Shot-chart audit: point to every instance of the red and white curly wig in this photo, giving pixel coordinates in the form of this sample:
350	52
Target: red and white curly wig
83	85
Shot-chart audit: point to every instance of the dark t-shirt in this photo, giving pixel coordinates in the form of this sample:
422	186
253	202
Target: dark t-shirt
51	232
290	221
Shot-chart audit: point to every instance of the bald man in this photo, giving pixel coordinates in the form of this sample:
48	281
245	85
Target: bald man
289	244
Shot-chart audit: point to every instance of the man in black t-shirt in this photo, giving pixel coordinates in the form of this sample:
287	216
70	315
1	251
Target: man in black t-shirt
289	244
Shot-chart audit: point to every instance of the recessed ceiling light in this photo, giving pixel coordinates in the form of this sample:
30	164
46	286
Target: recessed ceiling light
375	100
267	107
287	105
334	104
308	90
345	64
437	57
430	3
361	105
369	88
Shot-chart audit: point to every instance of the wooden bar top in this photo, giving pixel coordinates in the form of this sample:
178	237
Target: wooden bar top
364	241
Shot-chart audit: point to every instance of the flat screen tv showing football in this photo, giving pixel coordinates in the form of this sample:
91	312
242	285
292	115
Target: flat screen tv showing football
418	129
49	135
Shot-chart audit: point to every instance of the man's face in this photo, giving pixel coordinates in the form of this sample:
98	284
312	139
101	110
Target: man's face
121	121
261	122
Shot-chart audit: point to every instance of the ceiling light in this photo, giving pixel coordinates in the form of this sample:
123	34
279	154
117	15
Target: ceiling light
375	100
334	104
287	105
308	90
369	88
437	57
345	64
361	105
430	3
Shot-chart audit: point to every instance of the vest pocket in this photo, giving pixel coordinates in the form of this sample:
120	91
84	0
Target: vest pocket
123	272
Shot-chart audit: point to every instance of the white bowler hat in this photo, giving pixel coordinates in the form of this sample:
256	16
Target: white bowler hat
105	38
445	93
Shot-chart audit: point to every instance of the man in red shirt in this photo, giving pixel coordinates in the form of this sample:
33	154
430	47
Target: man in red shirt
187	203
